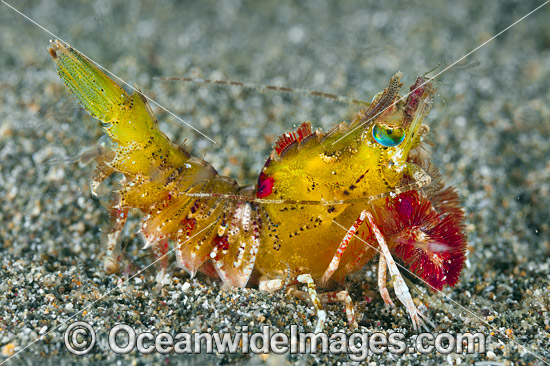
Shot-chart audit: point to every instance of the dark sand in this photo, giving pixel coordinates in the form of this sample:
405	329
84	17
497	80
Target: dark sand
490	124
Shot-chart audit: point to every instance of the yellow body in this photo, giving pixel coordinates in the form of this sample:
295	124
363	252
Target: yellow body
342	166
228	226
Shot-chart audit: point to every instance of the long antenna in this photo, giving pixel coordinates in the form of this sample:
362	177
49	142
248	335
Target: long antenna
261	87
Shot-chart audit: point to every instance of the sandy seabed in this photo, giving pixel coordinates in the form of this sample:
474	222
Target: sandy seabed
490	124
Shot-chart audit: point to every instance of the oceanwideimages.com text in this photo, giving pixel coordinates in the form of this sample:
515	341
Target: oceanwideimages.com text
80	339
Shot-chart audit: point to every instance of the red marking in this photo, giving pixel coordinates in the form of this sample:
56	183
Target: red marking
221	242
428	239
118	214
289	138
265	185
416	93
189	225
304	131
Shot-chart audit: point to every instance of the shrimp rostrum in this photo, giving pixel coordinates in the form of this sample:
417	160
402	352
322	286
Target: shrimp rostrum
324	204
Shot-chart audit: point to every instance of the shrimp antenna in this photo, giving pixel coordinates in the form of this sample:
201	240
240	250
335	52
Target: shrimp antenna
422	181
261	87
433	68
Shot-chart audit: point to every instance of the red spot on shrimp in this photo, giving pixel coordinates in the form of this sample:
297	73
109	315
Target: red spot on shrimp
189	225
221	242
265	185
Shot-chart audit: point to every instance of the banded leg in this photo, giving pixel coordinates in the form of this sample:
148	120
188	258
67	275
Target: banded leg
332	297
382	282
399	286
342	296
315	300
327	297
333	266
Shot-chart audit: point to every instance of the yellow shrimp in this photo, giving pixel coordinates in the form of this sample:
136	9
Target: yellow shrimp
365	176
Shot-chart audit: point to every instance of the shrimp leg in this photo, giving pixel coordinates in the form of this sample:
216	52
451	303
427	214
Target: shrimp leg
399	286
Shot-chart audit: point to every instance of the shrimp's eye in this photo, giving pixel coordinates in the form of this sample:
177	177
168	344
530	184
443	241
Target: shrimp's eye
388	136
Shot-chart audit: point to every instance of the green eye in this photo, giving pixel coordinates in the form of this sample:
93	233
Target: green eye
388	136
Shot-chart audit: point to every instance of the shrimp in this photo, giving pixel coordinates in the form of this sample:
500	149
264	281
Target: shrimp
323	206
